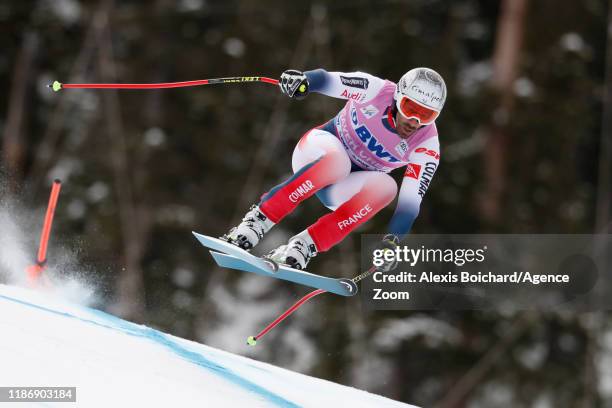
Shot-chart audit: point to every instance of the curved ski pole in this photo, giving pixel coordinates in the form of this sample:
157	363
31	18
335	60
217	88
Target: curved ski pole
57	86
252	340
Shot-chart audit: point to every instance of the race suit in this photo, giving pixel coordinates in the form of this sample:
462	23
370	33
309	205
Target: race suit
346	160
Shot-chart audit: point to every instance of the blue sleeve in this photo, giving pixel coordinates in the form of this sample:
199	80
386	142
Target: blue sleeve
402	220
317	79
419	173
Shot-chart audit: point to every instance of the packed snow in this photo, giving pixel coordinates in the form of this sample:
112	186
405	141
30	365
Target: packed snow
45	341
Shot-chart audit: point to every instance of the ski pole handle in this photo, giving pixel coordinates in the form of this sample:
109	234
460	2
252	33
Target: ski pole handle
56	85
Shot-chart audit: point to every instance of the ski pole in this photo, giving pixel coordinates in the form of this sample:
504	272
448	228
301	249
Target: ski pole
56	85
35	270
364	274
252	340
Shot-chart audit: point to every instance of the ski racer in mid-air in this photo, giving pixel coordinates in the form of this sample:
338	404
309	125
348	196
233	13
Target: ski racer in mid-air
345	162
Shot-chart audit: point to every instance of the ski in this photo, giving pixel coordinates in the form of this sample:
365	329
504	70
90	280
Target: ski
267	266
339	286
230	256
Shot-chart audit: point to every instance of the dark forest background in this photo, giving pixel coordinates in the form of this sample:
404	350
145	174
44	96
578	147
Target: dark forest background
525	145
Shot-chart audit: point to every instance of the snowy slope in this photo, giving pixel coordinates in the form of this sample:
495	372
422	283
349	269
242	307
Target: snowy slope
112	362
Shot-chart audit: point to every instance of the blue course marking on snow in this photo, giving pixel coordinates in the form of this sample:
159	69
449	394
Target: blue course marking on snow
134	329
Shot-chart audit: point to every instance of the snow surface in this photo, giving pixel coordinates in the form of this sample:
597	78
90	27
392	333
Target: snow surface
45	341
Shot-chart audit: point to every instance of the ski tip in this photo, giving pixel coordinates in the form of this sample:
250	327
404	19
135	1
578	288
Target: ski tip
251	341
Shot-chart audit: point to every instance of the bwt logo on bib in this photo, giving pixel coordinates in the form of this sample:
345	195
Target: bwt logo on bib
302	190
369	140
372	144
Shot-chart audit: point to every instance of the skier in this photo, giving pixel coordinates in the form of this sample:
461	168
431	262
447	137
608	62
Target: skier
383	126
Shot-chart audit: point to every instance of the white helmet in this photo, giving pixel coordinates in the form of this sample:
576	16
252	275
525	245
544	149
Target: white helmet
423	86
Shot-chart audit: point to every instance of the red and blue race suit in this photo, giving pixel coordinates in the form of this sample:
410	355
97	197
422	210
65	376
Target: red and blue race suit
346	160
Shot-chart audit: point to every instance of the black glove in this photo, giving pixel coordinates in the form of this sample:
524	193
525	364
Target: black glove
388	243
294	84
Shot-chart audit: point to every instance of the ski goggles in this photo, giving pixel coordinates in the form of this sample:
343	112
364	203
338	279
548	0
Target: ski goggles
411	109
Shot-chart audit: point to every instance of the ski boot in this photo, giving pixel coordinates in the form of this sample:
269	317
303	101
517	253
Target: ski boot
297	253
250	231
